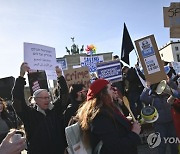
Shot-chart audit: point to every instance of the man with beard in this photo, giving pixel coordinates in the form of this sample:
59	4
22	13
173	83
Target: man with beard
77	95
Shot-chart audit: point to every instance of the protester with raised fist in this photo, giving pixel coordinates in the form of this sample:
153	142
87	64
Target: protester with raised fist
42	120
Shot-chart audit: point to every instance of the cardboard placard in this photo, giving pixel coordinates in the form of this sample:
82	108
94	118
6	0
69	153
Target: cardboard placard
150	59
37	80
174	32
77	75
110	70
172	15
6	85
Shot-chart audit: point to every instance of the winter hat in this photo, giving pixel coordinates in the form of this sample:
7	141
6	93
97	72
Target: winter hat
35	94
96	87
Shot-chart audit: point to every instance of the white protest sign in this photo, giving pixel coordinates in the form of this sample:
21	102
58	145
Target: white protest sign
91	62
39	57
51	74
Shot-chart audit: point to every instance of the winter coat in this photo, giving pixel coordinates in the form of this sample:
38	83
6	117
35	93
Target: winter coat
71	111
135	84
115	133
45	134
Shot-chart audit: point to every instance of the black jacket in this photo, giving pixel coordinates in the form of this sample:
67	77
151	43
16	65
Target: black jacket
115	133
71	111
45	134
134	81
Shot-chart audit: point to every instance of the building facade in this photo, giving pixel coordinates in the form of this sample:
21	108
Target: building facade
171	51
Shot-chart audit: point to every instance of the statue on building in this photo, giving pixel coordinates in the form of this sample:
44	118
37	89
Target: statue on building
82	49
74	47
67	50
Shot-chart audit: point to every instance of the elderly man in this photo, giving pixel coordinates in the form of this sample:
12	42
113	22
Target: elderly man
42	120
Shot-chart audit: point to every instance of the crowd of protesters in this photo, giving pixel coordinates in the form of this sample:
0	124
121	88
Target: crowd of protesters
99	109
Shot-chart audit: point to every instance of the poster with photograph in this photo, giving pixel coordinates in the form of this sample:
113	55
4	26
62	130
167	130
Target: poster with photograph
150	59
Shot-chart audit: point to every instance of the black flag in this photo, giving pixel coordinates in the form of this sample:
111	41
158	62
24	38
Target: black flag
127	46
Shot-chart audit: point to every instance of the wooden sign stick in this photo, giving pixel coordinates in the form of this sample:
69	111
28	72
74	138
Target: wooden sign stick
126	103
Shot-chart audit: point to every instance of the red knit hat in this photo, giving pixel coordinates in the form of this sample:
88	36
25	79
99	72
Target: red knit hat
96	87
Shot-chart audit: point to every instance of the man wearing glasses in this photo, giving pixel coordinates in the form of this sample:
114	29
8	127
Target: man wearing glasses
42	120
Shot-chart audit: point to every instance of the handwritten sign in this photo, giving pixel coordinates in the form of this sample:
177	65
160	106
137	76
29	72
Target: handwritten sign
110	71
172	19
91	62
77	76
39	57
172	15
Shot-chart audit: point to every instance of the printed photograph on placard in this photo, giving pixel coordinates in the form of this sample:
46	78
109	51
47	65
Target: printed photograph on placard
152	64
146	48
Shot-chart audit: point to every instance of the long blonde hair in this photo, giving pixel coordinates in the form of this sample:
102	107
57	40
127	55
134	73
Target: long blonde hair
88	111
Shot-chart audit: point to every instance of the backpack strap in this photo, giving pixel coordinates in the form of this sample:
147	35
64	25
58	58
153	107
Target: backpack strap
73	120
98	148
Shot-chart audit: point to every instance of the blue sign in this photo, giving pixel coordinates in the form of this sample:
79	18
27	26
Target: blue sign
110	71
148	52
91	62
62	63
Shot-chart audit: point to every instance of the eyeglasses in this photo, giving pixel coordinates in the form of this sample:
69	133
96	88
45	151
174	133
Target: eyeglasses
44	98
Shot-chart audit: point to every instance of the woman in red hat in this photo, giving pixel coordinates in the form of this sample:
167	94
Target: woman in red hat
100	120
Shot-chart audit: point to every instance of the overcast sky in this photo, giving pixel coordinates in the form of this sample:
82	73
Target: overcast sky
54	22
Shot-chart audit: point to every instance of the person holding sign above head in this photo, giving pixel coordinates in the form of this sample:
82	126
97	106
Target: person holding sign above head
101	121
42	120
